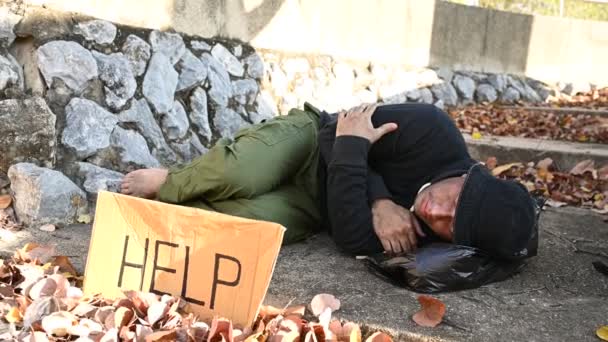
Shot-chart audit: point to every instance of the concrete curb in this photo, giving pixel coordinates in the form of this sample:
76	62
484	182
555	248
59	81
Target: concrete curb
510	149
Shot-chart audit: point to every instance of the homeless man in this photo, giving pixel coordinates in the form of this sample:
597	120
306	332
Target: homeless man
378	178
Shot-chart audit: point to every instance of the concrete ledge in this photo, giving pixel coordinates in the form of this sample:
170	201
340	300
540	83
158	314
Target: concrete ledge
511	149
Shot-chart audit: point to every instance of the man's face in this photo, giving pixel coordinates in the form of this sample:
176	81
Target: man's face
436	206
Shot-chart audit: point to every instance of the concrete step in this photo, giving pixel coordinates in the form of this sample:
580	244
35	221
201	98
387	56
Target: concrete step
512	149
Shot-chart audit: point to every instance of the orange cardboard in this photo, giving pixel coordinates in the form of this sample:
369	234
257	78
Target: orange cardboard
221	265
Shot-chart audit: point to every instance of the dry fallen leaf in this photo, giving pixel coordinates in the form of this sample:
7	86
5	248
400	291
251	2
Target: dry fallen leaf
555	204
43	287
502	168
584	166
491	163
322	301
5	201
431	313
13	315
379	337
602	333
58	323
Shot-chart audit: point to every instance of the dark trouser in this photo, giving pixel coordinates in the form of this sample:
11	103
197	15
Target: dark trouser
268	172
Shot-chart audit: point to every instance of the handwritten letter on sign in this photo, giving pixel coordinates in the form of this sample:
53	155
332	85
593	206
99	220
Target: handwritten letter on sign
220	264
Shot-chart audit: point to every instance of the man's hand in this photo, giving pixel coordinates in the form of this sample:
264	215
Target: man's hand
358	122
395	226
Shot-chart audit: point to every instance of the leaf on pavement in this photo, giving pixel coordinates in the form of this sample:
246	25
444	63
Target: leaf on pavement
432	311
602	332
379	337
491	163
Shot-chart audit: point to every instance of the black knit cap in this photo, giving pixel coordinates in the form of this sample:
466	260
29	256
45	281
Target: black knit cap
495	215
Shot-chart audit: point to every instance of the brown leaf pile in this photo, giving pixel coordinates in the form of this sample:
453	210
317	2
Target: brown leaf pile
518	122
40	297
583	186
596	99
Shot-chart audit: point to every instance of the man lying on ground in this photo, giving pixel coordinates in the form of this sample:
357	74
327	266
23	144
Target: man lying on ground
378	178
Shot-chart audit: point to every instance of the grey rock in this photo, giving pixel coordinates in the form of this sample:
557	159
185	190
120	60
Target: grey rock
414	95
8	20
465	86
45	196
190	149
199	45
137	52
99	31
117	76
17	67
486	93
227	122
345	75
255	66
231	63
95	179
237	51
198	114
475	76
27	132
175	123
526	92
245	91
160	83
219	81
510	95
88	127
68	61
266	108
566	88
440	104
427	77
445	92
446	74
426	96
192	71
9	73
141	116
498	81
132	150
543	90
169	44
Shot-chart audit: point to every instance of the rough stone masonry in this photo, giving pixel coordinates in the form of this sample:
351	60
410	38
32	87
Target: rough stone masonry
83	101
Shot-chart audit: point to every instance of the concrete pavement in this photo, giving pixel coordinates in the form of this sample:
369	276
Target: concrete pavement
558	296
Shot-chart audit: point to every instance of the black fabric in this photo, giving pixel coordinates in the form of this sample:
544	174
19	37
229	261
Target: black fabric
495	215
427	146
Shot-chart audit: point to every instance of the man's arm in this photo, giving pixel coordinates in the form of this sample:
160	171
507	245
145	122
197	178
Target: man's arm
376	188
356	227
349	211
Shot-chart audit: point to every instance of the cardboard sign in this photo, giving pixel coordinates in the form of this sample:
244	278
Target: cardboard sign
220	264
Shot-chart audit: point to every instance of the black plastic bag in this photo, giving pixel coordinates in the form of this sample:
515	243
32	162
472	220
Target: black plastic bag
439	267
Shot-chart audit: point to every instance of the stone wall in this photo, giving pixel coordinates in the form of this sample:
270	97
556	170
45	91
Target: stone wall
84	101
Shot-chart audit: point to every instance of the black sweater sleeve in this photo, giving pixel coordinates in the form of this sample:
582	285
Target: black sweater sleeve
349	209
